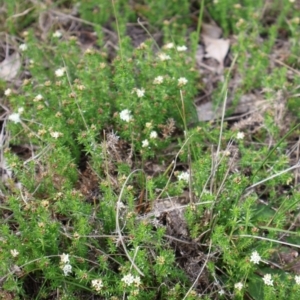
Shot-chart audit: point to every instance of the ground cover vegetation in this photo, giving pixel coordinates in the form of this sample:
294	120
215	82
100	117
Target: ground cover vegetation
117	181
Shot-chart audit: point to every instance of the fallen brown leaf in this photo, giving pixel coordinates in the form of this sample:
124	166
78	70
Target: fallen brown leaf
216	48
211	30
10	66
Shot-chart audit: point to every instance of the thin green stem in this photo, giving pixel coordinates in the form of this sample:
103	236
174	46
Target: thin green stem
118	29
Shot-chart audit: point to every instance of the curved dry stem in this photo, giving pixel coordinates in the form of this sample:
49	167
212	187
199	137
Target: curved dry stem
268	240
118	230
196	280
174	166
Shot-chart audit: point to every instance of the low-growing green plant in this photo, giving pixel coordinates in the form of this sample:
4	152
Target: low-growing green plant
87	109
110	136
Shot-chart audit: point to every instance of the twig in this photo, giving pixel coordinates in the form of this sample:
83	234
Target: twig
274	176
200	273
118	230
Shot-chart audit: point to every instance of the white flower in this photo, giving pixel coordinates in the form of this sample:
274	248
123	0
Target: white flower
168	46
268	279
55	134
140	92
145	143
185	176
57	34
137	281
297	279
238	286
142	46
64	258
255	257
23	47
37	98
14	252
20	110
163	57
240	135
134	293
128	279
182	81
153	134
221	292
181	48
67	269
97	284
60	72
226	153
89	51
14	117
125	115
7	92
158	80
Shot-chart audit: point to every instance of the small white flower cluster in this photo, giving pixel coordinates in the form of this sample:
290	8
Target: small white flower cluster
97	284
153	134
178	48
55	134
57	34
145	143
129	280
15	117
60	72
182	81
38	98
168	46
267	279
89	51
142	46
7	92
164	57
185	176
238	286
67	269
23	47
240	135
158	80
255	257
64	258
125	115
65	264
14	252
139	92
181	48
